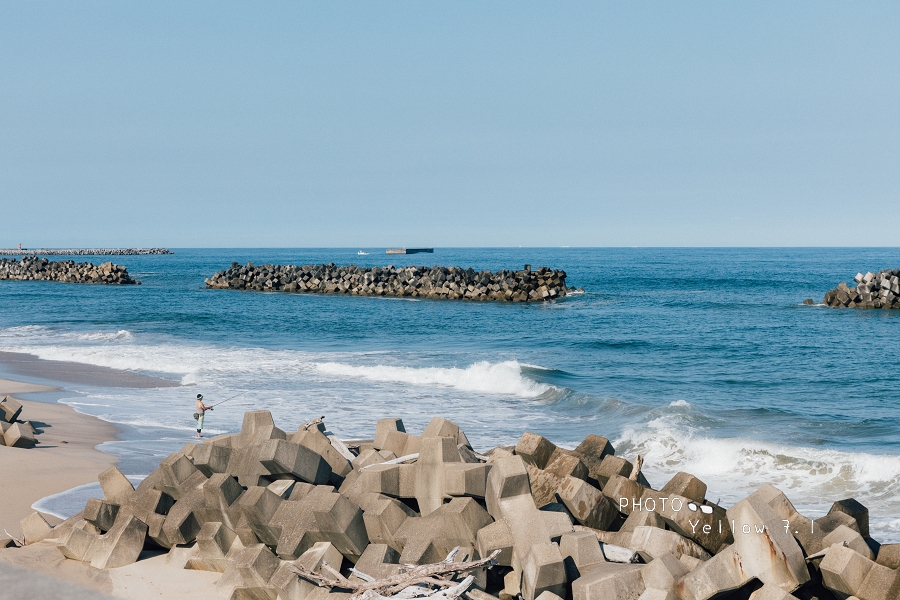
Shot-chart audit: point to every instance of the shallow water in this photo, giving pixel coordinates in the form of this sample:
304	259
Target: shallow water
702	360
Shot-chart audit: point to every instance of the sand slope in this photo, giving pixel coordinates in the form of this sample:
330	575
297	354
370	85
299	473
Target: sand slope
64	457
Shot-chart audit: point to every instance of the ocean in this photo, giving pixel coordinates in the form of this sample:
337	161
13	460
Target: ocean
701	360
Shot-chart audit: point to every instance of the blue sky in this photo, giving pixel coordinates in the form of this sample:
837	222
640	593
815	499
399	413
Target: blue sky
449	124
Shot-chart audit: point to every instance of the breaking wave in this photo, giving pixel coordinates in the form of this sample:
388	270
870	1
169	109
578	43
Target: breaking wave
812	478
495	378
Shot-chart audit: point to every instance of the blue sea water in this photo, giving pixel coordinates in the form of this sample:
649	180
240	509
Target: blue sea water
702	360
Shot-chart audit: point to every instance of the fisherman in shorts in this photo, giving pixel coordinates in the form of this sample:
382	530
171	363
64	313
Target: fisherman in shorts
201	409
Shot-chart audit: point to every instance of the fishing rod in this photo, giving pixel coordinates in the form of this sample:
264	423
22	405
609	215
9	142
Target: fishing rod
227	399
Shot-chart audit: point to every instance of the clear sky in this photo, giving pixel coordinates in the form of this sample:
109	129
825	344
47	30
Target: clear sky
376	124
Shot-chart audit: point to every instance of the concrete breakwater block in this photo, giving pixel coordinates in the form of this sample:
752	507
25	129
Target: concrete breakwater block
419	282
32	268
10	409
257	504
15	432
872	290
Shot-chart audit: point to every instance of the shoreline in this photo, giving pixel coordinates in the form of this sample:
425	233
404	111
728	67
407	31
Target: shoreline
62	371
67	454
65	457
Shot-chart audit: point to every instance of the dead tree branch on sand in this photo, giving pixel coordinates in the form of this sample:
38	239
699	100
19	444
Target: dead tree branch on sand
412	582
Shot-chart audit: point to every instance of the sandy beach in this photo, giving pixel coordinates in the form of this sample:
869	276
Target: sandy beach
66	457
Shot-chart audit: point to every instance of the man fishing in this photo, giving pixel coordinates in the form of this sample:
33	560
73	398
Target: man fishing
201	409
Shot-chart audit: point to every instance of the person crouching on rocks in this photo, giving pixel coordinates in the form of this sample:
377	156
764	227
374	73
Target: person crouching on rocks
201	409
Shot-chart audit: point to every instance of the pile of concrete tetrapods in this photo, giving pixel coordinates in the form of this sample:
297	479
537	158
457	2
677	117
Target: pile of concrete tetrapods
872	290
41	269
262	504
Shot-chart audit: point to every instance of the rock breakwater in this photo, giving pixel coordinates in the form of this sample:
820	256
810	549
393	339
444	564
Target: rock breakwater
303	515
872	290
83	251
455	283
41	269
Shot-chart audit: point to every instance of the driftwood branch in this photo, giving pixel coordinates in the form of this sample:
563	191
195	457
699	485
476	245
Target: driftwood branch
638	463
340	446
414	576
361	575
18	542
420	591
822	553
394	461
313	423
333	579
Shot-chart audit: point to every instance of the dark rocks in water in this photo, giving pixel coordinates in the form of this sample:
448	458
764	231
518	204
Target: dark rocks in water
418	282
40	269
83	251
872	290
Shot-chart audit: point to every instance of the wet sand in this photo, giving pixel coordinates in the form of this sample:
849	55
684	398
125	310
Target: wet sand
28	365
65	456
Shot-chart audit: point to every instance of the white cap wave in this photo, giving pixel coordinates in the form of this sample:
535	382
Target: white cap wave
483	376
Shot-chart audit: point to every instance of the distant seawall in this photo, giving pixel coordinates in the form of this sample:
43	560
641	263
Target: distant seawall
83	251
68	271
418	282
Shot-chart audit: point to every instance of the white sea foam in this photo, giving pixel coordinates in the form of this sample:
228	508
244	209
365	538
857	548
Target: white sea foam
354	389
534	367
733	467
495	378
65	504
40	333
206	364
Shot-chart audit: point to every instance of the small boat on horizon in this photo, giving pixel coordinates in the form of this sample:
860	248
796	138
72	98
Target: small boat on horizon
361	253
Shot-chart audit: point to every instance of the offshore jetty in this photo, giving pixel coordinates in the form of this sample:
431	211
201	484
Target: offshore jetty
305	516
417	282
872	290
41	269
83	251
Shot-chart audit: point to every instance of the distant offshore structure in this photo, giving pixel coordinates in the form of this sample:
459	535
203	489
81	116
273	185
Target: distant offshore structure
410	251
82	251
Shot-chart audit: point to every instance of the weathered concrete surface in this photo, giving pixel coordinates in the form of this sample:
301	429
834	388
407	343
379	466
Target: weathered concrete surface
844	570
246	506
508	497
609	581
772	556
